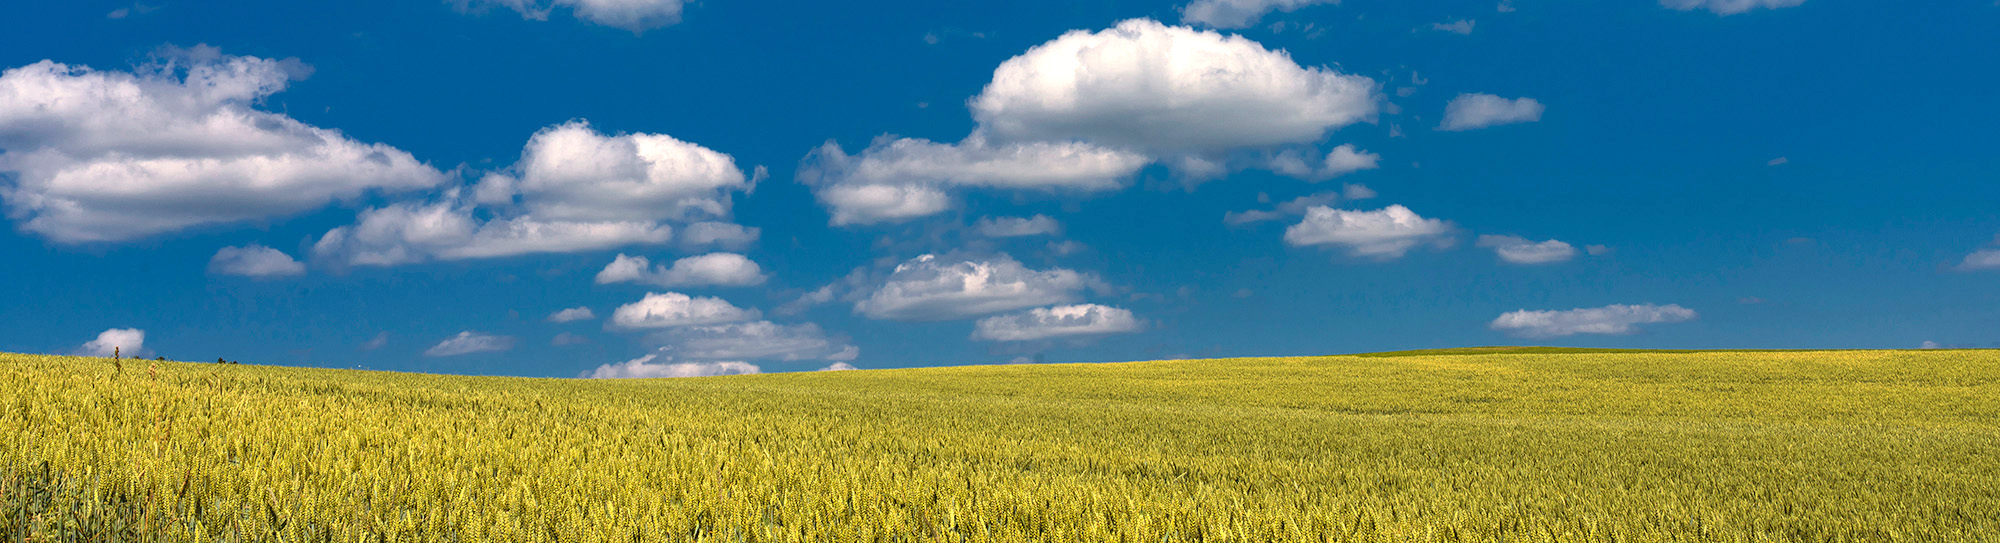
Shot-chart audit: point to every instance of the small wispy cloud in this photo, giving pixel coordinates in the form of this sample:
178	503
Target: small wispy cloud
1461	27
377	342
469	342
1610	319
572	315
1474	111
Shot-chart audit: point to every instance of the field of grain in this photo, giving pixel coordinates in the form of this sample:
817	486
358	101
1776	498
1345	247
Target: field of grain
1448	446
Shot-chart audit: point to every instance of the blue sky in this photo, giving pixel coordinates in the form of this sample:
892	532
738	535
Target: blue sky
421	186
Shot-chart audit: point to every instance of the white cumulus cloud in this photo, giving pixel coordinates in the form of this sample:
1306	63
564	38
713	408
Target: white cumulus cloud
572	172
648	367
468	342
1167	89
634	15
1728	7
1058	321
254	261
574	190
129	342
572	315
1086	111
1474	111
1611	319
1239	13
713	269
1383	234
102	156
672	309
930	287
1519	250
839	366
1011	227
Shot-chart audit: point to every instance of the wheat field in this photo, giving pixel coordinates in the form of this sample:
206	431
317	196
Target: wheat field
1467	445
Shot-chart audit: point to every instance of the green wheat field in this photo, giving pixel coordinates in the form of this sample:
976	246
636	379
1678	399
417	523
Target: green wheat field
1456	445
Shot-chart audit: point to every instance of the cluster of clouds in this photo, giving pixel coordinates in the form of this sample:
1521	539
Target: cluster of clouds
649	367
706	335
109	156
1391	232
932	288
637	16
713	269
176	144
179	143
1085	112
1012	302
573	190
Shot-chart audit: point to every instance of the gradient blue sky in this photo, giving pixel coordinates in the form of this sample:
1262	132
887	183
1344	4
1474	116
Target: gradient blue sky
1733	173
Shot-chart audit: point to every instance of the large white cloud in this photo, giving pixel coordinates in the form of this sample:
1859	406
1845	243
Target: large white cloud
930	287
572	172
756	340
574	190
634	15
648	367
128	342
1058	321
1239	13
1474	111
254	261
113	156
1611	319
1384	234
671	309
1166	89
469	342
716	269
1519	250
1728	7
1086	111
